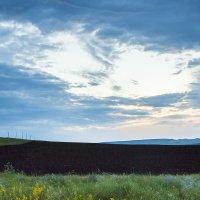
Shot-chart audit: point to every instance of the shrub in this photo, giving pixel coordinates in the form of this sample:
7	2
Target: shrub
8	167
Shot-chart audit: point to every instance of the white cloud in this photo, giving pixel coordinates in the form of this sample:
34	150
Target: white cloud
74	56
66	54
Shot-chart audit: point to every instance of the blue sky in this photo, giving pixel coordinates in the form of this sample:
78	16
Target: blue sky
93	71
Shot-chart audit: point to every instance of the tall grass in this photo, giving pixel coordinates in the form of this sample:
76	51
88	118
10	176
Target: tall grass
17	186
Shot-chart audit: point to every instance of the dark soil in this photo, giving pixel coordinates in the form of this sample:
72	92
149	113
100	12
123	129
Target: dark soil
81	158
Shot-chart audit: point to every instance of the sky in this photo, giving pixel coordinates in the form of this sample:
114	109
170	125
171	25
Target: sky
94	71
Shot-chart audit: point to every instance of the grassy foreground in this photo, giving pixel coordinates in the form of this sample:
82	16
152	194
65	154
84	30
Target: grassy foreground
11	141
16	186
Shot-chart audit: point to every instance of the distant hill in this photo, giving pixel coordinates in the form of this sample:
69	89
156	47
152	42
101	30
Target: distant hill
11	141
195	141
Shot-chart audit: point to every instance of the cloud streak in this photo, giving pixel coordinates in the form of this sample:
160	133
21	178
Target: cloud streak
152	23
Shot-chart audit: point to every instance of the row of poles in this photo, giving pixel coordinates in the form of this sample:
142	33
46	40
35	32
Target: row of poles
20	135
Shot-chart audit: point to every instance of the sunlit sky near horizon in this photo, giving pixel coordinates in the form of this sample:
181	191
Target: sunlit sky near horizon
94	71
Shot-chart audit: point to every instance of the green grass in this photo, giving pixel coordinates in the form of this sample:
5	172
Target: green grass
16	186
11	141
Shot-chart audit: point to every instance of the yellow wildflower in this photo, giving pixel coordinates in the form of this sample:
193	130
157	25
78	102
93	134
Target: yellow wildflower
2	190
89	197
37	190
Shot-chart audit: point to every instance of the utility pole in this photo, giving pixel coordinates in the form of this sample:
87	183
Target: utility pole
8	134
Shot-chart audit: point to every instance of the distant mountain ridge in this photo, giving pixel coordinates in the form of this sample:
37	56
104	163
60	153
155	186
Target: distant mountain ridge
195	141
